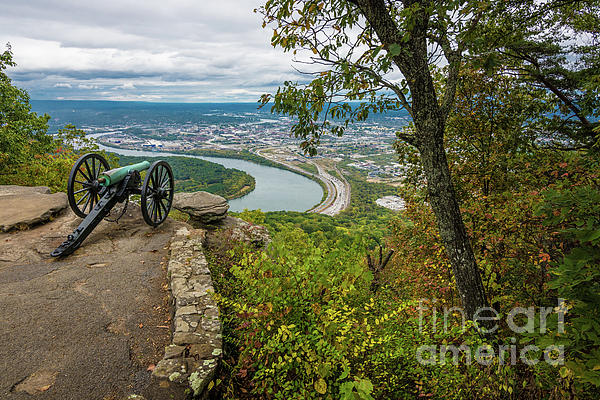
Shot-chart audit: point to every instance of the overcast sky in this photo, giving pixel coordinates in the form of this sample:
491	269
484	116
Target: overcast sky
147	50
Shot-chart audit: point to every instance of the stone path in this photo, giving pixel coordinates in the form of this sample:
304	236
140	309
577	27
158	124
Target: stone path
98	324
88	326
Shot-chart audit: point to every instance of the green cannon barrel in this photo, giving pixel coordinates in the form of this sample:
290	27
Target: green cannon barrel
118	174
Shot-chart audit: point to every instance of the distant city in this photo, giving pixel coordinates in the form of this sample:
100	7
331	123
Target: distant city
366	146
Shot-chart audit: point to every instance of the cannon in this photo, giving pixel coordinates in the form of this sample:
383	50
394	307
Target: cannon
93	190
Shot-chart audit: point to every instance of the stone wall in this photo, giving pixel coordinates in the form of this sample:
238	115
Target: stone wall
196	347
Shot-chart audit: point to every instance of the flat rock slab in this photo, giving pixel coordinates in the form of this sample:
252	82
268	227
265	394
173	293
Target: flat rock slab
88	326
23	207
204	207
10	190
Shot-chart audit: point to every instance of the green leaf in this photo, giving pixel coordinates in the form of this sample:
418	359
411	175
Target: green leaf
376	51
591	236
394	49
563	372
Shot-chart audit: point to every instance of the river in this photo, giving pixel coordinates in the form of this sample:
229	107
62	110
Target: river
276	189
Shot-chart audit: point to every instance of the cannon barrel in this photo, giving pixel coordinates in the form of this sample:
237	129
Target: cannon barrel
116	175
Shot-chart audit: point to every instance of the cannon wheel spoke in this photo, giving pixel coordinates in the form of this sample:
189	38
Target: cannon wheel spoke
89	172
152	181
90	197
157	193
164	179
163	206
160	217
153	209
82	198
82	173
94	170
82	187
81	190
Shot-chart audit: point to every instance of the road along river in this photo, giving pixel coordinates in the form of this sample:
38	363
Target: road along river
338	191
276	189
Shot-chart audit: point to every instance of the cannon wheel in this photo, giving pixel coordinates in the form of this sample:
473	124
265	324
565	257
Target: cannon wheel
83	188
157	193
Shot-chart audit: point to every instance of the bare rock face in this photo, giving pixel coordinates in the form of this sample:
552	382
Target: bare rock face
8	190
99	316
22	206
237	230
203	207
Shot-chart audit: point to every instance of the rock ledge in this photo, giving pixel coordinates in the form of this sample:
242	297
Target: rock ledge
22	206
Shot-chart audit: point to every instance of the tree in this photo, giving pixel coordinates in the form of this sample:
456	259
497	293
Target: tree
384	54
29	155
552	45
493	127
22	132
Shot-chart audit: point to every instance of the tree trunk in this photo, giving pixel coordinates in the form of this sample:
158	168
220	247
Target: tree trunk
442	198
430	120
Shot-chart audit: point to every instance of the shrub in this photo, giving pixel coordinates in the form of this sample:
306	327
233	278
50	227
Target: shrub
575	210
301	322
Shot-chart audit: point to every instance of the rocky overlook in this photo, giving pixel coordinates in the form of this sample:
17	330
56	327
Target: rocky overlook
129	313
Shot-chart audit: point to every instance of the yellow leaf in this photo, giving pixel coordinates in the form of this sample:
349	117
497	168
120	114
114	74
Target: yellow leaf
321	386
314	50
563	372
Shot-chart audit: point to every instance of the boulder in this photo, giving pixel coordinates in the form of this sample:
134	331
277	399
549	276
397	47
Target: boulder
22	206
203	207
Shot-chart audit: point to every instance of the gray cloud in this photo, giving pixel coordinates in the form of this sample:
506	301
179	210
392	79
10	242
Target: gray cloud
185	50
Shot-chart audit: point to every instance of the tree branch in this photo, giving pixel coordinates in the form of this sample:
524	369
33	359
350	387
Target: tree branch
454	58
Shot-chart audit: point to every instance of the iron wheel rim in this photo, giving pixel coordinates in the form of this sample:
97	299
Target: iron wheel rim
83	189
157	193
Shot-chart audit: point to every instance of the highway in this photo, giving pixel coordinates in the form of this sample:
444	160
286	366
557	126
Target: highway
338	190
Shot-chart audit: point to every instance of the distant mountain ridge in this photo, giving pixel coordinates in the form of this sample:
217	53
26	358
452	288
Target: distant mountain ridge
87	113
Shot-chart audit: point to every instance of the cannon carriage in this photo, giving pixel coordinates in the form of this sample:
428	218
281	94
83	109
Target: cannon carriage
93	190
